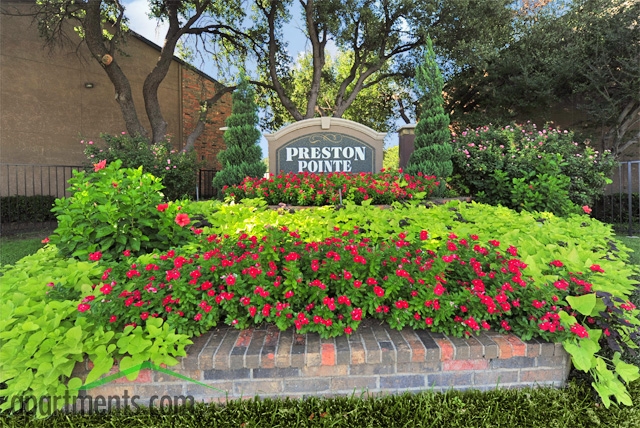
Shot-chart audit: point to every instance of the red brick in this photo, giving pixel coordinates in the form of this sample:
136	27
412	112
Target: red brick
518	347
328	354
446	349
454	365
504	347
245	337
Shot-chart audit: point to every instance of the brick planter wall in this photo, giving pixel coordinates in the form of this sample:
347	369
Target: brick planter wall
375	359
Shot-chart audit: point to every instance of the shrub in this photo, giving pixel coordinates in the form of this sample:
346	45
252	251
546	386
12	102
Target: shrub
494	163
463	287
26	209
329	189
243	156
432	154
177	169
113	210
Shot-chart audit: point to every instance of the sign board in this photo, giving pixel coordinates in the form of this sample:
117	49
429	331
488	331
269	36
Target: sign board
325	145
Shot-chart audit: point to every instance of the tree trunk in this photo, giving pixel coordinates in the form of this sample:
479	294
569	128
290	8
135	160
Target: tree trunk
123	95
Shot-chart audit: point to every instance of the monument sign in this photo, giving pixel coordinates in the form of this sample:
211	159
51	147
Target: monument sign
323	145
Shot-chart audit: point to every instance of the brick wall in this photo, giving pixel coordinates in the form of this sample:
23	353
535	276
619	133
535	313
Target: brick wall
375	359
196	88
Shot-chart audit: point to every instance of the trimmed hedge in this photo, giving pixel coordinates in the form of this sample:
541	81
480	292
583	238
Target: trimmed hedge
26	209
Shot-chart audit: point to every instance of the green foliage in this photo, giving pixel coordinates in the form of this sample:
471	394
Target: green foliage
112	210
497	165
391	158
15	247
540	407
373	107
432	154
334	188
243	156
177	169
26	209
575	52
43	338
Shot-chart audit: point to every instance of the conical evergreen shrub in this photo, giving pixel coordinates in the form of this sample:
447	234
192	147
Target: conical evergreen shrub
433	150
243	156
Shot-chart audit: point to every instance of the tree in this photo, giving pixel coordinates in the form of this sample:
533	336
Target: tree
375	106
383	38
243	156
432	154
585	51
102	26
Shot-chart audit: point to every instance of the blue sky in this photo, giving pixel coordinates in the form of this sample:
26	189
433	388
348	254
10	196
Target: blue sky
136	11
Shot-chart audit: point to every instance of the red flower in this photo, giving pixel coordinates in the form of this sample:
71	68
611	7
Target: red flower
379	291
100	165
95	256
424	235
182	219
348	330
596	268
556	263
45	240
83	307
106	289
579	330
162	207
144	315
439	289
198	317
230	279
113	318
586	209
126	253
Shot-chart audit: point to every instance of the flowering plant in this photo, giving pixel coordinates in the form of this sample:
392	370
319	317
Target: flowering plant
527	152
115	209
330	286
307	188
177	169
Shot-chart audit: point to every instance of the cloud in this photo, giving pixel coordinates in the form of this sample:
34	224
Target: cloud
139	21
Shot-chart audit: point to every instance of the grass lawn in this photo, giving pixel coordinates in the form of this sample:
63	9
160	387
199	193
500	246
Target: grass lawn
15	247
573	406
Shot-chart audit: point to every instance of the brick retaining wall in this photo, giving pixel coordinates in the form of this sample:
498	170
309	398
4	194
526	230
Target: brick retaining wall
375	359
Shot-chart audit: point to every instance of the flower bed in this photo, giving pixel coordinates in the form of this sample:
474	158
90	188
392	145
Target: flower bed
471	270
334	188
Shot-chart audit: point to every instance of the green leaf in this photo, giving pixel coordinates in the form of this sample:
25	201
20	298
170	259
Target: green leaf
580	357
583	304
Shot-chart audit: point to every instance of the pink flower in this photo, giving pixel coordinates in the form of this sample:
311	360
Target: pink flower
45	240
100	165
126	253
182	219
586	209
113	319
162	207
94	257
83	307
596	268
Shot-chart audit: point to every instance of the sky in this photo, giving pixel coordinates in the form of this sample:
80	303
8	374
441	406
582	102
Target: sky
139	21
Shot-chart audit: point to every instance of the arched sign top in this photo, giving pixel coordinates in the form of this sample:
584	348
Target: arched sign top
325	144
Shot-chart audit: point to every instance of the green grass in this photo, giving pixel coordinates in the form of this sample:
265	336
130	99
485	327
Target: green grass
15	247
573	406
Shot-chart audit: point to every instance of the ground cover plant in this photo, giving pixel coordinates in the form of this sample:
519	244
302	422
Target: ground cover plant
456	268
334	188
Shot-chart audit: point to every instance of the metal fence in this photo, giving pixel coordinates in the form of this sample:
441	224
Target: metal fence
204	188
620	204
30	180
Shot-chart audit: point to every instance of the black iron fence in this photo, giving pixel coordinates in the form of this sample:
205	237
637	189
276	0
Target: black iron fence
204	188
620	204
